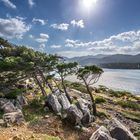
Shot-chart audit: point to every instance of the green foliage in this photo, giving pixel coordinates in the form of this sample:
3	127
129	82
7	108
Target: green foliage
89	70
1	95
99	100
133	115
119	93
102	114
79	87
64	69
129	104
1	114
13	93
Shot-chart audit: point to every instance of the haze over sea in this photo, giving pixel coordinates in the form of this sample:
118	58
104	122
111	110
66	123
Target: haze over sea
119	79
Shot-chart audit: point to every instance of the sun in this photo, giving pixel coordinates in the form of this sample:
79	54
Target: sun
88	4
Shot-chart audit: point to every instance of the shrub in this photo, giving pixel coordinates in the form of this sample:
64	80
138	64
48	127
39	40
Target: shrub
102	115
129	104
13	93
1	95
119	93
99	100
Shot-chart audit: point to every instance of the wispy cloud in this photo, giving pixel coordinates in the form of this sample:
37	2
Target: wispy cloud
31	3
42	38
9	4
126	43
55	46
41	21
62	26
13	27
79	23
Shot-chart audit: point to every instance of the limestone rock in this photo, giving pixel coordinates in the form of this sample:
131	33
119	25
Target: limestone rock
13	117
74	115
64	101
101	134
119	131
53	103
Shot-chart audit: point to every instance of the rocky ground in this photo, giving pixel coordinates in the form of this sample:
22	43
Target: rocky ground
39	123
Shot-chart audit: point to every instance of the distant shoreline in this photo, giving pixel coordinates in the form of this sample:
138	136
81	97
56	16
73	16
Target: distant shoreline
117	79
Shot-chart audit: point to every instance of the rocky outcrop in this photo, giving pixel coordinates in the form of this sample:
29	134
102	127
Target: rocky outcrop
101	134
83	105
7	106
74	115
119	131
22	100
63	101
53	103
13	118
12	114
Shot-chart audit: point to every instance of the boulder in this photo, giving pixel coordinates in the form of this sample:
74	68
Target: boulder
13	117
63	100
8	106
119	131
2	123
74	115
101	134
53	103
83	105
22	100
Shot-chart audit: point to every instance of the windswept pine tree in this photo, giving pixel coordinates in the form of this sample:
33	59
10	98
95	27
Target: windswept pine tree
90	75
19	62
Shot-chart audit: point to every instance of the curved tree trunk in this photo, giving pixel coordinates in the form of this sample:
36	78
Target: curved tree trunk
92	98
65	90
45	80
40	85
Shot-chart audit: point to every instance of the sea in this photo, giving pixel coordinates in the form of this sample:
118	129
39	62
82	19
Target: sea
118	79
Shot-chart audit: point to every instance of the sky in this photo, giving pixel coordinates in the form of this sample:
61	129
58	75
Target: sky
73	28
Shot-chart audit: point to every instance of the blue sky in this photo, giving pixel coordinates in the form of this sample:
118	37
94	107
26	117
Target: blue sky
73	27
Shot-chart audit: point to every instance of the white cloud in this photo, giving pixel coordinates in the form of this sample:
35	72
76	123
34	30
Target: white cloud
126	43
8	3
79	23
41	21
55	46
43	38
31	36
13	27
62	26
31	3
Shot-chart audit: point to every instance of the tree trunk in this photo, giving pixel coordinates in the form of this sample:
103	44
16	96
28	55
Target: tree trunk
39	84
45	80
92	99
64	87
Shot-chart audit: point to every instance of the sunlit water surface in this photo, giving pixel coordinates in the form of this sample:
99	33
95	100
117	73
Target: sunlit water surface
119	79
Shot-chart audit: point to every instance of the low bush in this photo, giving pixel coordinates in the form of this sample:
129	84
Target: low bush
102	115
99	100
119	93
13	93
129	104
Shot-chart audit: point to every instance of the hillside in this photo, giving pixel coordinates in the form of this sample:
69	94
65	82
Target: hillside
110	61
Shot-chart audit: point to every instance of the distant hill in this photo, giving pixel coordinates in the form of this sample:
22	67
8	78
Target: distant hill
110	61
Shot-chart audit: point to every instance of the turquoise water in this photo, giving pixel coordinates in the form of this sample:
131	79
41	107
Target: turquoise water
119	79
128	80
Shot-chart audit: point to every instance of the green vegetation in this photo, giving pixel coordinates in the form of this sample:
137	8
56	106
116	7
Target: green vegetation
99	100
129	104
102	114
119	94
34	111
133	115
45	137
